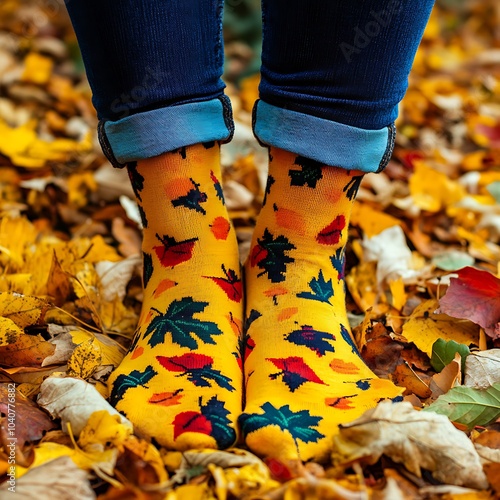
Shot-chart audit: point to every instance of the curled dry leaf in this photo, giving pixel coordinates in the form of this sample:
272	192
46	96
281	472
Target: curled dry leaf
482	369
60	479
390	250
417	440
73	401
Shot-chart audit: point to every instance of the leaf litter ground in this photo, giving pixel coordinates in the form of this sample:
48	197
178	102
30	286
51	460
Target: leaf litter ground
422	276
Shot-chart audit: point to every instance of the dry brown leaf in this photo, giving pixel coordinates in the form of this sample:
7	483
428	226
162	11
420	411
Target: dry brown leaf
417	440
482	369
60	479
73	401
30	421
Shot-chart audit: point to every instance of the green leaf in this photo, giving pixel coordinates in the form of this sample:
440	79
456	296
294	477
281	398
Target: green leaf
298	424
469	406
178	320
443	353
321	290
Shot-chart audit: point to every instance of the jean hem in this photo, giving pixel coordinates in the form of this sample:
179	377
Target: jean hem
326	141
151	133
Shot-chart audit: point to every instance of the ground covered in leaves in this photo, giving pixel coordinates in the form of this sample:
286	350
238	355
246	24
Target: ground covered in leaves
423	281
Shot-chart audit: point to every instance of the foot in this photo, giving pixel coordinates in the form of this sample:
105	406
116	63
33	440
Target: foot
303	373
181	380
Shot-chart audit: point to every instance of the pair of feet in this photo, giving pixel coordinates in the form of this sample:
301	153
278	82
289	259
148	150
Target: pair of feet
279	368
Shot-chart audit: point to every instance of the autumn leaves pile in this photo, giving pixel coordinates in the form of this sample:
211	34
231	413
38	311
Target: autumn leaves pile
71	295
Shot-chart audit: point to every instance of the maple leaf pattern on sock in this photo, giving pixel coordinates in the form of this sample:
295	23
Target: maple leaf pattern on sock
303	373
181	381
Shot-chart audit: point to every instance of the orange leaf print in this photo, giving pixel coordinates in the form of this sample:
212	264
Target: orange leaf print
289	219
236	324
178	187
166	398
137	352
220	228
287	313
340	403
340	366
164	286
275	291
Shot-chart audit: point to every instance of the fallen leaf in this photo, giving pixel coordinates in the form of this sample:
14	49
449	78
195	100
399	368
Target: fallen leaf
9	331
60	479
469	406
417	440
73	401
482	369
450	376
474	295
390	250
425	327
443	353
30	421
27	350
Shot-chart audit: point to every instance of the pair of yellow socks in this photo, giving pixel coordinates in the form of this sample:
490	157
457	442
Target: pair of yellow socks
197	351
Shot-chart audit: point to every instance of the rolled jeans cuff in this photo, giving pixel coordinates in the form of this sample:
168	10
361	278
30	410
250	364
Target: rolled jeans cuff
325	141
151	133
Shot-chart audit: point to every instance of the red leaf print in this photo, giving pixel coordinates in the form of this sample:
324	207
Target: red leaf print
188	361
257	254
474	295
191	421
330	235
231	284
172	252
294	364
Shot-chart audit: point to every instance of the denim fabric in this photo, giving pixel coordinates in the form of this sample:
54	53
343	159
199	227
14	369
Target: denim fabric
333	74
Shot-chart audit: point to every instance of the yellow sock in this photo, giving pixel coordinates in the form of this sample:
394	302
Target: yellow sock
181	381
303	373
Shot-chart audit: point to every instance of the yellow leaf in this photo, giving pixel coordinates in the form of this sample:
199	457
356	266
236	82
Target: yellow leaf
98	461
85	360
424	328
9	331
110	352
103	428
190	491
37	68
362	284
399	297
432	190
23	310
147	453
370	220
15	235
116	317
79	187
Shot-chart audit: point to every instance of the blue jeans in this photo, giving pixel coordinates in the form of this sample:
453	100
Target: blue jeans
333	73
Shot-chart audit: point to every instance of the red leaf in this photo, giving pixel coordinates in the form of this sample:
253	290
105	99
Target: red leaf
173	252
330	235
257	254
231	284
294	364
474	295
191	421
188	361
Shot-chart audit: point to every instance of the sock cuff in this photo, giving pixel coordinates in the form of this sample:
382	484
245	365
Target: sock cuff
328	142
